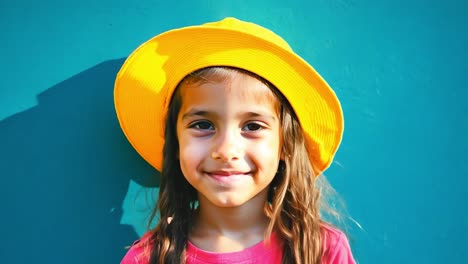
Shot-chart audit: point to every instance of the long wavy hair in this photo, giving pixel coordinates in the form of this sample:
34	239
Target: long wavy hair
294	201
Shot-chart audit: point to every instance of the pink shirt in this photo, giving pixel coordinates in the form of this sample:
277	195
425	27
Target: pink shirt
336	251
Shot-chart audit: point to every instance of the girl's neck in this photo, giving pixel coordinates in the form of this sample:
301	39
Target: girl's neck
242	220
227	229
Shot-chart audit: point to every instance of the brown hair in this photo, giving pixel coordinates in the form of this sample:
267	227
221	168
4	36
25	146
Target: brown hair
294	201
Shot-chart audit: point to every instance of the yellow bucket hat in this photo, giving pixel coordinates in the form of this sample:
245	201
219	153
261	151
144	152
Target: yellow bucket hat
145	83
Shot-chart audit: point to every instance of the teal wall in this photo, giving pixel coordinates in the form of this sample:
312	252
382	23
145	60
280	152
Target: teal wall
74	191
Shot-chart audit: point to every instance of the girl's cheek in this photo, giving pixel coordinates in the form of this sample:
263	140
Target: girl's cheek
191	150
268	151
268	147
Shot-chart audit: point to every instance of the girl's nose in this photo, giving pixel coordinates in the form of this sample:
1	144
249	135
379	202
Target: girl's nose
227	148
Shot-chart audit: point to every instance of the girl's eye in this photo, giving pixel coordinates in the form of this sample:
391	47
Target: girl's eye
252	127
202	125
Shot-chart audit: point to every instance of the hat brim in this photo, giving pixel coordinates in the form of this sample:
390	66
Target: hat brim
149	76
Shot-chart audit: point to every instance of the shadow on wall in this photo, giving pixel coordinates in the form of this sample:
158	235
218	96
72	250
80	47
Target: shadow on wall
65	169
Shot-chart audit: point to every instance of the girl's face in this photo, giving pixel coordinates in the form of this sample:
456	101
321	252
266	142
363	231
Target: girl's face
229	139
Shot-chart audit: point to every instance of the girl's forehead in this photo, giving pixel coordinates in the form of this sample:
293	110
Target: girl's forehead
234	83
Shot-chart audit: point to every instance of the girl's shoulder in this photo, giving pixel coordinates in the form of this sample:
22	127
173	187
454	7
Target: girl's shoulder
139	252
336	246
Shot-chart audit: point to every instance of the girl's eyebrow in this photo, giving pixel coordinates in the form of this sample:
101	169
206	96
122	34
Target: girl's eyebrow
260	114
195	112
198	112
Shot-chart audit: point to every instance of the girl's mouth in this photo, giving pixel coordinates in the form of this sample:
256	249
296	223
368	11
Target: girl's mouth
228	177
226	173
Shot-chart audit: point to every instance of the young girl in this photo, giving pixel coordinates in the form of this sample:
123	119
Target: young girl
241	129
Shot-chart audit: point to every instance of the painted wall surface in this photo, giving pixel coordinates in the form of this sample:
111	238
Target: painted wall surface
74	191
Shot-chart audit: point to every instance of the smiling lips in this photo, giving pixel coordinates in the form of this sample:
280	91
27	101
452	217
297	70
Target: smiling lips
226	173
227	176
